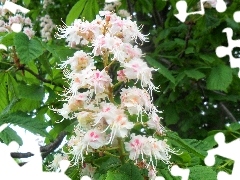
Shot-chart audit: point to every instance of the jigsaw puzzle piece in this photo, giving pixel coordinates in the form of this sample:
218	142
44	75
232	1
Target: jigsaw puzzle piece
182	10
222	51
228	150
236	16
221	6
177	171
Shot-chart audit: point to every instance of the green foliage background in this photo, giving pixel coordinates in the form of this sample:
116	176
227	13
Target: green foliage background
199	94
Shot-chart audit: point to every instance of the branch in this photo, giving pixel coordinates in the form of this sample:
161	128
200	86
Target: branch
52	146
227	112
129	7
21	155
45	150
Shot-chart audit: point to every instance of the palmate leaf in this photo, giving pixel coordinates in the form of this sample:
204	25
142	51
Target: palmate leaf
220	78
8	89
131	171
32	92
27	50
75	12
87	9
202	173
8	135
27	122
161	69
114	175
195	74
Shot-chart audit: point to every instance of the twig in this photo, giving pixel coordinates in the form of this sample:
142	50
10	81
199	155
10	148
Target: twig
45	150
129	7
40	77
21	155
227	112
52	146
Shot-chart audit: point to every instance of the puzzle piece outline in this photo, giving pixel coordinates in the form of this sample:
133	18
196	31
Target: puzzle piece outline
228	150
182	6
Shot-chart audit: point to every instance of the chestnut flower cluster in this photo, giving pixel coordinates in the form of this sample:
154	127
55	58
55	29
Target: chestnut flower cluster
15	22
47	27
90	98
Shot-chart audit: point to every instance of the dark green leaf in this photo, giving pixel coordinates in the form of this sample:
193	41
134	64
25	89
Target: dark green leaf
161	69
131	171
111	163
202	173
195	74
8	135
220	78
27	122
27	50
32	92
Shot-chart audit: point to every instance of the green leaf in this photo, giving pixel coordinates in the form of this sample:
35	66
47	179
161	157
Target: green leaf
27	122
195	74
177	140
7	40
8	135
27	50
190	50
131	171
113	175
171	116
46	64
202	173
209	58
60	52
220	78
26	2
90	10
8	89
161	69
32	92
75	12
111	163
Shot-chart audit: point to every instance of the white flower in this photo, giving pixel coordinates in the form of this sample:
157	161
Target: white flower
136	100
154	122
55	163
138	69
136	146
79	61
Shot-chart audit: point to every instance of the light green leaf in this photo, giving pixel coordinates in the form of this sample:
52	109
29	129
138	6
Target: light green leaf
195	74
27	50
27	122
220	78
26	2
75	12
7	40
8	135
113	175
90	10
8	89
161	69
